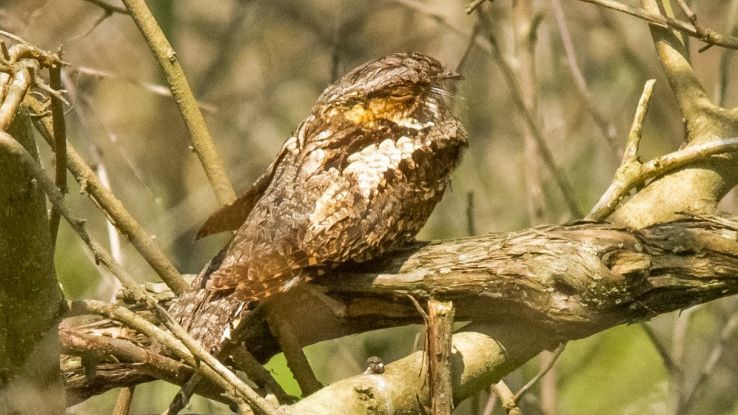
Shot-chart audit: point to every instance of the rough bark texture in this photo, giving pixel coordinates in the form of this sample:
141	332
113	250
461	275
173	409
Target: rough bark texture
30	298
553	284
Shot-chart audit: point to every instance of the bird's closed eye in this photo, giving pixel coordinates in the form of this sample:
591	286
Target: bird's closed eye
401	93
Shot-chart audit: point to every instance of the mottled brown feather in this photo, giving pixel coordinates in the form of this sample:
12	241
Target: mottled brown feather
360	176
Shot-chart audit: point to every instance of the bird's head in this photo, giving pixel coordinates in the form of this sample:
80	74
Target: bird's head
397	87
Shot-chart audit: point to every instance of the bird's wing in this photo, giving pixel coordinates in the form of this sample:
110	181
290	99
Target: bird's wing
231	216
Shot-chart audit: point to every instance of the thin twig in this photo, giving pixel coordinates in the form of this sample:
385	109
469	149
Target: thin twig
679	338
109	7
471	226
19	85
60	147
113	235
692	17
658	167
113	208
228	42
202	141
123	401
546	155
293	353
708	36
507	397
473	5
147	361
714	357
440	330
491	404
225	378
232	347
539	375
608	201
660	348
606	127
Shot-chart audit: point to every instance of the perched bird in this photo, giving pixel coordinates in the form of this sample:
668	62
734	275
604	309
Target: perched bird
360	176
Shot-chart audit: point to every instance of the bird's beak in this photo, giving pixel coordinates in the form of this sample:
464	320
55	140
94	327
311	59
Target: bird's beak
452	75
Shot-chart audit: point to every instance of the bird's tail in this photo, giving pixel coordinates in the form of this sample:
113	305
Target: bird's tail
207	315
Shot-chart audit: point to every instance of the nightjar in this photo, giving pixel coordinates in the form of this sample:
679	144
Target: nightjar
360	176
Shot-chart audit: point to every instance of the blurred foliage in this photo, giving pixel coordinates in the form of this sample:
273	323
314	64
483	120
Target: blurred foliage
259	65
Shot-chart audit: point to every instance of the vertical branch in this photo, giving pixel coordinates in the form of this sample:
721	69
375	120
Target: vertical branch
679	340
440	329
202	142
293	353
30	297
630	166
60	145
507	398
123	401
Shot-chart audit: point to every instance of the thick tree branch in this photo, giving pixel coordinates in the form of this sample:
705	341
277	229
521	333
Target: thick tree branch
700	186
534	289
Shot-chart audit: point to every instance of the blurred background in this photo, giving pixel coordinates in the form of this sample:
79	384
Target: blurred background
257	68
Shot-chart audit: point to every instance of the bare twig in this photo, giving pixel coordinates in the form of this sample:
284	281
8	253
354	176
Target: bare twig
660	348
679	338
228	42
539	375
60	146
692	17
507	398
123	401
109	8
146	361
202	142
20	83
440	329
113	235
657	167
726	333
232	347
293	353
491	404
473	4
114	209
607	202
606	127
708	36
546	155
471	226
467	51
432	13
